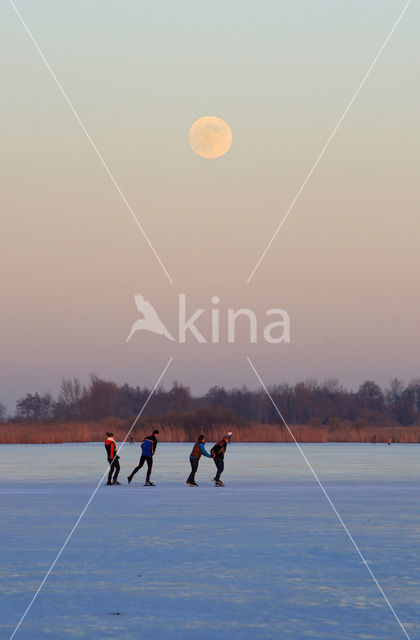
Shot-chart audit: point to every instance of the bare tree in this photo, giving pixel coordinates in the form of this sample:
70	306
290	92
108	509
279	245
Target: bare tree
102	399
70	398
35	407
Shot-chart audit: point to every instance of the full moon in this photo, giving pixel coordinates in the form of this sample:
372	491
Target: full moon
210	137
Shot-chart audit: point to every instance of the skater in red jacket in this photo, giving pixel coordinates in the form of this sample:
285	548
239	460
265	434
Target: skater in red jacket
113	458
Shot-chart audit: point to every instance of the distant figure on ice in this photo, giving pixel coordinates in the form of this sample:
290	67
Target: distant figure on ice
148	448
389	441
198	450
111	452
150	320
218	451
131	438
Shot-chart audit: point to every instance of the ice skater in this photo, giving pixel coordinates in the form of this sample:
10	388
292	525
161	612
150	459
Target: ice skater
198	450
113	458
218	451
148	448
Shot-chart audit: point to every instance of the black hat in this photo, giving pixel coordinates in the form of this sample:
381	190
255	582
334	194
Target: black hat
155	431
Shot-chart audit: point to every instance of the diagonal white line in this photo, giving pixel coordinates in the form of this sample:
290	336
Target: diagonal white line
329	500
331	136
86	132
87	505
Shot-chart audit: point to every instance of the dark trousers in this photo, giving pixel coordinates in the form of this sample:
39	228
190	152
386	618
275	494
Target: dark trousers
143	459
114	468
194	467
220	464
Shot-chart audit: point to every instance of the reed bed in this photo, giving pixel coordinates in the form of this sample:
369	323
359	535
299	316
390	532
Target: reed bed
35	433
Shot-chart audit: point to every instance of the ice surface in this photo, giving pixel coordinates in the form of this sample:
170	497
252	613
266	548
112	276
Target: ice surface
263	557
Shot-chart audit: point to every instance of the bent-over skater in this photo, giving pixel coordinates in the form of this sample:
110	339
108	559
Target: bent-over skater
198	450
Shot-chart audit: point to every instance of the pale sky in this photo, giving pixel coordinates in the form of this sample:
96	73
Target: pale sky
346	263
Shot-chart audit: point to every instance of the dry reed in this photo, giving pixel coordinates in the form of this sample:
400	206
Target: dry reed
24	433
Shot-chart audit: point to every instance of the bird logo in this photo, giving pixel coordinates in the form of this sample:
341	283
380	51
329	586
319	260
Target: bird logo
150	321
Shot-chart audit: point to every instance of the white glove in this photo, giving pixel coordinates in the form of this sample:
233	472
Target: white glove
229	433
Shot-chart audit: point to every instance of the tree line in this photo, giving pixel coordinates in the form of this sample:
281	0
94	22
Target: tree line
308	402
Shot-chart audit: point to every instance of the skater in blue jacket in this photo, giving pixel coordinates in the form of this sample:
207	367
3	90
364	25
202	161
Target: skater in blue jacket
148	448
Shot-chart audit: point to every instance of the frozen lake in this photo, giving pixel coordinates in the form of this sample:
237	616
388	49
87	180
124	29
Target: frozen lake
263	557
